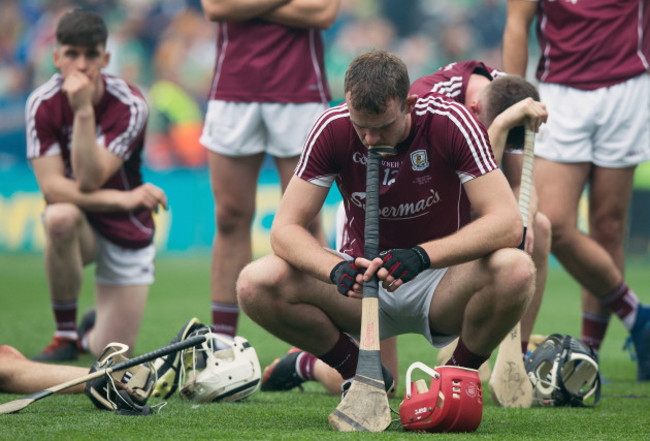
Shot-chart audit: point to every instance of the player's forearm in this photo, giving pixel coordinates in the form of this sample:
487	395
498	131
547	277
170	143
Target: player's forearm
477	239
64	190
515	36
515	53
319	14
238	10
85	155
498	134
297	246
498	225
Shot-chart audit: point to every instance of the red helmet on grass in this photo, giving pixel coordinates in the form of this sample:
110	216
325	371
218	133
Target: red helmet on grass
453	402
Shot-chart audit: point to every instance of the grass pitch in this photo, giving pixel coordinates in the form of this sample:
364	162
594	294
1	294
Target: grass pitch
181	291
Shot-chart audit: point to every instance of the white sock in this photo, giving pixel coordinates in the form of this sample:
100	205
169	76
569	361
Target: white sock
69	335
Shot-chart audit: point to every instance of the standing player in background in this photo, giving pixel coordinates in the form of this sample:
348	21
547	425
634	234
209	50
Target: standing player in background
504	106
594	80
268	89
85	135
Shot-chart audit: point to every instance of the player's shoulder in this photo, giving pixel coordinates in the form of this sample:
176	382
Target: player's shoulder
121	89
441	112
334	117
436	103
468	67
45	93
123	94
338	111
461	67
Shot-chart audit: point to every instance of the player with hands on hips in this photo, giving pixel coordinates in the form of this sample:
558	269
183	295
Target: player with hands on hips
85	136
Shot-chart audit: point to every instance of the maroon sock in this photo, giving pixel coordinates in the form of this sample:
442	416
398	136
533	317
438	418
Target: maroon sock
623	302
305	366
466	358
594	327
65	315
224	318
343	356
524	348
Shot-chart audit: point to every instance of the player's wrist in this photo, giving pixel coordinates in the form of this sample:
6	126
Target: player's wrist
405	263
84	111
422	254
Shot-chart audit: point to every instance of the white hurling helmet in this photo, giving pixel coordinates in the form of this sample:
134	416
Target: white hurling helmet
209	374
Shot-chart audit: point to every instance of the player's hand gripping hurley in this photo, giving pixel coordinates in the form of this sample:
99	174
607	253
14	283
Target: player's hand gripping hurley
19	404
509	384
365	406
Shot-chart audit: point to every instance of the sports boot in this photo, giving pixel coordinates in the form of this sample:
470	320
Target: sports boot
640	338
60	349
282	374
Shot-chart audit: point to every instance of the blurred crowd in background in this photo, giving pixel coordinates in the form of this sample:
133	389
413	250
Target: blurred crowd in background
167	49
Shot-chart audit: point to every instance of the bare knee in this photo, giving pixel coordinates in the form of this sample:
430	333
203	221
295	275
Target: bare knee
609	232
247	287
232	218
61	221
514	278
259	283
562	239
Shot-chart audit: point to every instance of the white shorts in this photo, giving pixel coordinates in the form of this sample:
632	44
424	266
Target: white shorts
245	129
116	265
406	310
609	127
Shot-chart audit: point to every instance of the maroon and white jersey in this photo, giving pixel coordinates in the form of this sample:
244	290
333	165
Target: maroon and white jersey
589	44
451	80
121	119
421	190
260	61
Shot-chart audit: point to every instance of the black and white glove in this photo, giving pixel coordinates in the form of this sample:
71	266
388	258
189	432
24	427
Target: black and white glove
405	264
344	275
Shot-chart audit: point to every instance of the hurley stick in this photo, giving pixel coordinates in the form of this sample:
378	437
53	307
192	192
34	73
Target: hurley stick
21	403
509	384
365	405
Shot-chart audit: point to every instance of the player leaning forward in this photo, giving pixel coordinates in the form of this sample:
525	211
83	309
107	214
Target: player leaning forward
447	277
85	135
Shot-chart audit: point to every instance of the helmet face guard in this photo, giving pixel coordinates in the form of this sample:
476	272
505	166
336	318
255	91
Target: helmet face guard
125	391
453	402
564	372
230	374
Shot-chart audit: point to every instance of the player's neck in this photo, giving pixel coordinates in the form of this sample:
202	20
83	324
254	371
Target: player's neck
475	85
